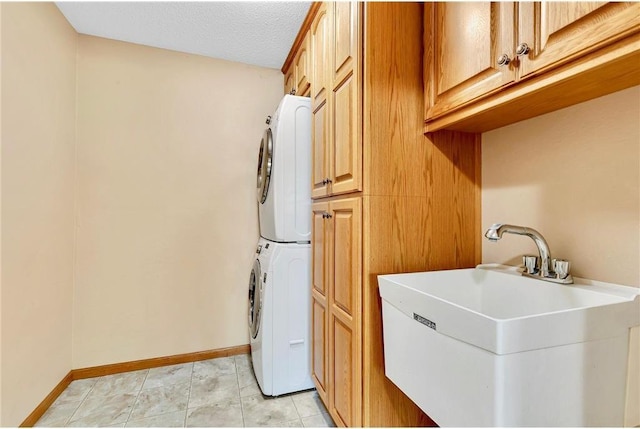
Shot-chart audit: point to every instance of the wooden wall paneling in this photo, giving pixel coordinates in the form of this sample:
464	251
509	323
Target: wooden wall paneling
404	234
395	239
453	176
394	151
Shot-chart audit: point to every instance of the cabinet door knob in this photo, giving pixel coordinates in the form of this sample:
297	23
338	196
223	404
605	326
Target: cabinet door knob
503	60
329	181
522	49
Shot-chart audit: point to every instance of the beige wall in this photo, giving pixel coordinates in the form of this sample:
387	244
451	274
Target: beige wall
167	215
37	152
574	175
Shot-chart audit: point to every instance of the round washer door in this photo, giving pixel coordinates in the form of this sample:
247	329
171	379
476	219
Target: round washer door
255	299
265	165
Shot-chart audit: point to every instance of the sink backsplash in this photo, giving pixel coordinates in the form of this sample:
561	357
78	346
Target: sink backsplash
573	175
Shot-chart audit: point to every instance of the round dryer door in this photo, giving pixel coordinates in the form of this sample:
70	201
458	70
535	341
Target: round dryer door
255	299
265	165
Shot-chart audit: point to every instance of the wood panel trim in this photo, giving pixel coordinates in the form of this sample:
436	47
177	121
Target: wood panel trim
306	25
478	199
115	368
42	408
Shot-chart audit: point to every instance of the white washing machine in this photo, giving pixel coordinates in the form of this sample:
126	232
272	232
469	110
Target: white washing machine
279	308
284	173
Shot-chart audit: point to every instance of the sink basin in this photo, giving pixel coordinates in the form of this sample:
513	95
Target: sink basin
495	308
488	347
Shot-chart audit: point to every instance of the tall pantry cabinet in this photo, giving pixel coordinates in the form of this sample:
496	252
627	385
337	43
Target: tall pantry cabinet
387	198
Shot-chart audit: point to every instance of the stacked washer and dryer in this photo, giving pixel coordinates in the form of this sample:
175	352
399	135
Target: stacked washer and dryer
279	285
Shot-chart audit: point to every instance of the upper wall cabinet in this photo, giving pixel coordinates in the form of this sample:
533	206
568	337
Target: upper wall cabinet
302	66
472	43
289	81
320	56
550	33
490	64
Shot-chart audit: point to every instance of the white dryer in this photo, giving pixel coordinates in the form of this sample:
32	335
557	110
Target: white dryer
279	324
284	173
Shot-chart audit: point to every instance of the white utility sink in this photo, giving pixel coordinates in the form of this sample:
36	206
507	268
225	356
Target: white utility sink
488	347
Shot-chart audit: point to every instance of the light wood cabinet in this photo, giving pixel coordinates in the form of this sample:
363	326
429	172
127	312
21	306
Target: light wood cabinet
534	50
375	210
337	252
337	168
320	101
319	33
345	152
302	66
320	150
467	39
557	32
320	299
345	40
289	81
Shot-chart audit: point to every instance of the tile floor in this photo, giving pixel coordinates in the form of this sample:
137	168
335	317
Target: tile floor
219	392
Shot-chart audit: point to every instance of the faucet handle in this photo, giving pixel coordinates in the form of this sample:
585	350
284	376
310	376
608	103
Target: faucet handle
530	263
562	268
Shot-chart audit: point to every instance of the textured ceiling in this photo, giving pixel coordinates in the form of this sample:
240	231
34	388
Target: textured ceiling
259	33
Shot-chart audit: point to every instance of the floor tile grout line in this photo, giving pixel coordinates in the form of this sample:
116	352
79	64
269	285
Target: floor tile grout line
137	396
186	411
69	420
239	393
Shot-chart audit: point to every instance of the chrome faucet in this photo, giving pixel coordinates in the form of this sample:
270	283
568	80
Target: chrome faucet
550	269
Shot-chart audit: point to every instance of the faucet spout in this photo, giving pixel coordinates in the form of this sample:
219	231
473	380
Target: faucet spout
494	233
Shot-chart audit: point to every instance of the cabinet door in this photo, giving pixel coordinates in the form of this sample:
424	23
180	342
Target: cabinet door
344	43
289	81
466	40
302	66
557	32
319	57
319	32
319	294
346	138
345	307
320	151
